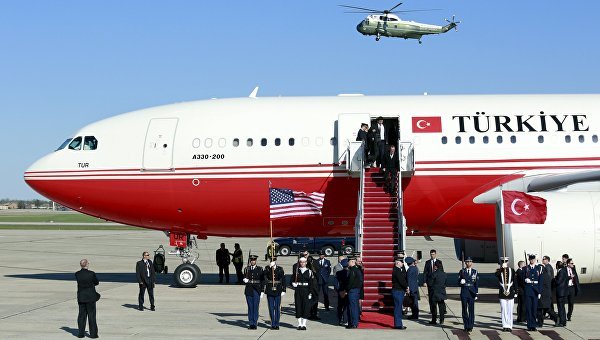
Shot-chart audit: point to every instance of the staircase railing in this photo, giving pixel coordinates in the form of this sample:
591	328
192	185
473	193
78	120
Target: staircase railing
358	230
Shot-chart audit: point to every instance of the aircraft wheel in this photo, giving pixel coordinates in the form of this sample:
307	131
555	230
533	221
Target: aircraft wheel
328	250
187	275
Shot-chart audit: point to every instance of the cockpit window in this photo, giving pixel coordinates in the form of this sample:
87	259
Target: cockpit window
90	143
75	144
64	144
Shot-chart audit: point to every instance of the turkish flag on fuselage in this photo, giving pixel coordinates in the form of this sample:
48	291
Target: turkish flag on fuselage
520	207
426	124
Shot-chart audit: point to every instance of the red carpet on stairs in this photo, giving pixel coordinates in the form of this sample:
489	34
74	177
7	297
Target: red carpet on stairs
376	320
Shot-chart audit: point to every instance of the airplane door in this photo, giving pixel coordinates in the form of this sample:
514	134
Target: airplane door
158	147
347	128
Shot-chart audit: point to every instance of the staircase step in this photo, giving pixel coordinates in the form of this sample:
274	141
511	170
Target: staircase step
378	277
373	251
370	234
375	285
382	199
377	229
390	210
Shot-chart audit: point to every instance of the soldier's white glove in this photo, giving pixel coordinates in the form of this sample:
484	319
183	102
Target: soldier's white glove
539	296
282	293
516	295
262	295
476	298
294	284
504	264
245	280
462	281
272	264
527	280
310	296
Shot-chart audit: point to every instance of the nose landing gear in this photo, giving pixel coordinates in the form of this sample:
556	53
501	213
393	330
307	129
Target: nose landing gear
187	274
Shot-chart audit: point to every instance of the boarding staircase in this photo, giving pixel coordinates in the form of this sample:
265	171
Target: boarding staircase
380	232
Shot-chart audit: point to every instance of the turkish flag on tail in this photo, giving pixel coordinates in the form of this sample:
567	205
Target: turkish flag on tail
522	208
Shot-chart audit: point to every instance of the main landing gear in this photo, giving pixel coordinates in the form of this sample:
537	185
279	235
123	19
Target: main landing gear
188	273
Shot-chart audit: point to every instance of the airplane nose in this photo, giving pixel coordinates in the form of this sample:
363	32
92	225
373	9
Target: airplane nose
36	176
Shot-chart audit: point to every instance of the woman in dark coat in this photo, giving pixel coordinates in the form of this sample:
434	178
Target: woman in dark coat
437	282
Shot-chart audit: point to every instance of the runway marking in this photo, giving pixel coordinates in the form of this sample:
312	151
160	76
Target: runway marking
491	334
462	335
552	335
522	334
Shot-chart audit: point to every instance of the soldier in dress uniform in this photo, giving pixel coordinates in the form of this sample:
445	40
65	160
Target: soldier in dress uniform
254	280
303	280
468	279
354	284
533	288
507	293
274	278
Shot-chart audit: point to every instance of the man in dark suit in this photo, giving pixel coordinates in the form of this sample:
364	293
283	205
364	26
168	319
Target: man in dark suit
323	270
562	291
573	286
545	302
412	275
427	271
86	298
361	136
520	281
437	283
146	277
399	289
468	279
391	166
380	138
223	261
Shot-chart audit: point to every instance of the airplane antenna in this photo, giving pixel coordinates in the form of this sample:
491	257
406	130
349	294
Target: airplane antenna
254	93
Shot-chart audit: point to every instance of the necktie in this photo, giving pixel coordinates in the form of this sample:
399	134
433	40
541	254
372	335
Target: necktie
468	272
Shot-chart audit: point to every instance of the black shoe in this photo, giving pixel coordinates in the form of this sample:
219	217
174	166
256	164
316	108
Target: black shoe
303	328
299	328
276	328
568	318
251	327
81	336
152	308
401	327
141	307
93	336
432	322
350	326
441	321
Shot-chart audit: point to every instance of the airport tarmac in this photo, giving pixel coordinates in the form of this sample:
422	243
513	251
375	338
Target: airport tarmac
38	300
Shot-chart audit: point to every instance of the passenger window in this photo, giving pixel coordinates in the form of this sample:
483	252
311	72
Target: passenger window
568	138
457	140
291	142
277	141
540	139
319	141
513	139
75	144
486	139
208	142
90	143
222	142
249	142
444	140
236	142
305	141
581	139
595	138
196	143
499	139
472	140
263	142
66	142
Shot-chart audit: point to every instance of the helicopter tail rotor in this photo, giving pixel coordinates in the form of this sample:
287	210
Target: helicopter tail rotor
451	24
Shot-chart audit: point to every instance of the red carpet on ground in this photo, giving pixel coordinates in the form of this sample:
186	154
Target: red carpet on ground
376	320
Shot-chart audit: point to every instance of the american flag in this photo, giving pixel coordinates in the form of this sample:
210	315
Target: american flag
290	203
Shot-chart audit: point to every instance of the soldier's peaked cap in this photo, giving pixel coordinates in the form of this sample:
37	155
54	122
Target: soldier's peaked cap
469	259
532	256
253	257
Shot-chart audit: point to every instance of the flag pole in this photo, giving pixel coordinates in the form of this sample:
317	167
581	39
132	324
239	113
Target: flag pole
502	223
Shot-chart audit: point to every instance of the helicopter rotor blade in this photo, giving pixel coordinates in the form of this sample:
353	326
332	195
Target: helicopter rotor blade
363	12
391	9
418	10
362	8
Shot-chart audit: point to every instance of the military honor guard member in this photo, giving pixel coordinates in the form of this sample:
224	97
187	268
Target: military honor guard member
507	293
412	275
303	280
254	280
354	284
533	288
399	289
468	279
274	278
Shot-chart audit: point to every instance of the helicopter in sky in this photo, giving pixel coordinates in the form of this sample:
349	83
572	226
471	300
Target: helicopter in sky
384	23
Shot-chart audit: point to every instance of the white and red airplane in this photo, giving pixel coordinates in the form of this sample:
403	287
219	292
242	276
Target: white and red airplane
204	167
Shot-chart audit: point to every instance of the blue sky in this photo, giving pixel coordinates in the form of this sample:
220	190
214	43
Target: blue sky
64	64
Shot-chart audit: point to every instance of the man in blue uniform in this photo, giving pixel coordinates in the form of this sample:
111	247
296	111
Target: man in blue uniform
274	278
533	288
468	280
354	283
254	280
322	271
413	286
399	289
